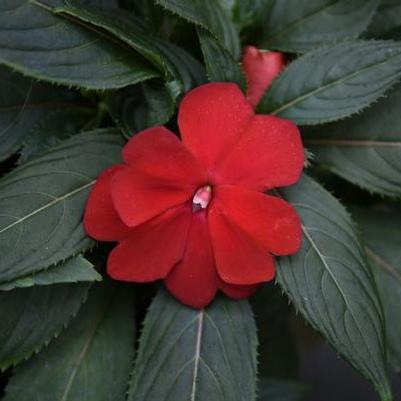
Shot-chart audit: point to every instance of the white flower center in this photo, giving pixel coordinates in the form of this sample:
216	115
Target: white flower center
202	198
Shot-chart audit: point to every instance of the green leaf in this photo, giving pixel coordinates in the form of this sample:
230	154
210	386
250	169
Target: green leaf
141	106
220	64
330	283
172	61
209	15
53	128
32	317
281	390
245	13
366	149
188	354
381	231
23	104
74	270
346	78
387	18
302	25
45	46
91	359
42	203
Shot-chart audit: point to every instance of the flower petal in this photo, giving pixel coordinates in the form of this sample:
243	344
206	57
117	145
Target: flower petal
101	220
272	222
161	174
138	197
269	154
153	249
237	291
239	259
211	118
160	153
261	67
194	280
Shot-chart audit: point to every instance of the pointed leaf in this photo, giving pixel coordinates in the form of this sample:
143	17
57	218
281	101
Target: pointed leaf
365	149
203	355
330	283
173	62
52	48
381	231
90	360
346	78
220	64
32	317
209	15
74	270
42	203
302	25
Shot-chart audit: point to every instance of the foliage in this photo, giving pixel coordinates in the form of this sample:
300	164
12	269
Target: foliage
79	77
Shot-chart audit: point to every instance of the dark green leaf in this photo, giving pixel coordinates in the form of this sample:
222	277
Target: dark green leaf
381	231
74	270
203	355
42	203
281	390
209	15
32	317
172	61
54	128
23	104
387	18
160	103
365	149
330	283
301	25
220	64
345	79
244	13
91	359
141	106
52	48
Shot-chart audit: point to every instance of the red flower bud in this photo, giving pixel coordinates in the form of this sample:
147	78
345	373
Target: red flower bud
261	67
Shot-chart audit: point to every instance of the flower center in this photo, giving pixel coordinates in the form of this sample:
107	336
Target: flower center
201	198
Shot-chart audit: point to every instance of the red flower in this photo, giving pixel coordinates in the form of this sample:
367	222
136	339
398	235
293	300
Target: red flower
193	212
261	67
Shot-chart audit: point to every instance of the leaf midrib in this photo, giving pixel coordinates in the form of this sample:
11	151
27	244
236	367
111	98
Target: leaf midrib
328	269
47	205
326	265
329	85
197	356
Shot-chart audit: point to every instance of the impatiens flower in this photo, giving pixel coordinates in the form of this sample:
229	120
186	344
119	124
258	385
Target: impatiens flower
260	68
194	212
